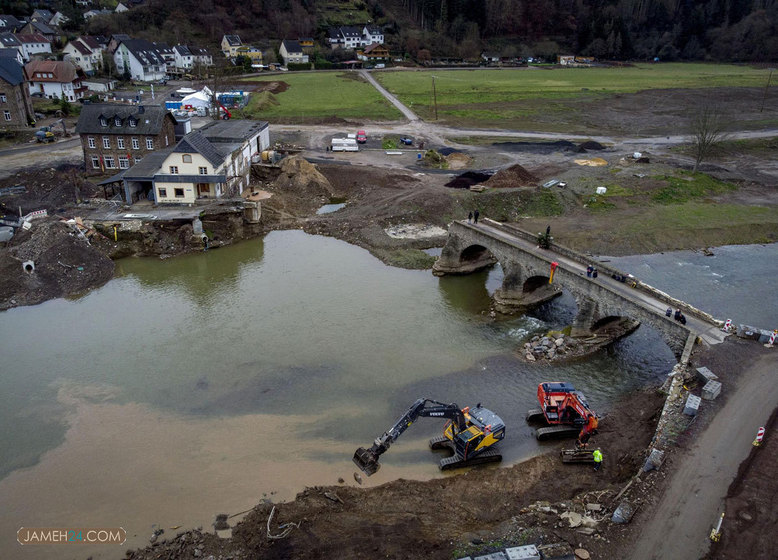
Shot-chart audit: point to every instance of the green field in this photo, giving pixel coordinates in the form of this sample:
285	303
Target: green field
320	95
531	94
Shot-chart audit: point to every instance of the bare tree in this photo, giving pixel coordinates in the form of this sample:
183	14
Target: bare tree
707	131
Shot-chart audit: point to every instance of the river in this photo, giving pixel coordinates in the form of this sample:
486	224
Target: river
203	384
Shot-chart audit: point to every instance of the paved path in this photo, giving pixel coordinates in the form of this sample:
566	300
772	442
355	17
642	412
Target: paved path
709	332
691	505
410	115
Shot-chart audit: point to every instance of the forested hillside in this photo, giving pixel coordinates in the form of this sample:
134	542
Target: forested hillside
722	30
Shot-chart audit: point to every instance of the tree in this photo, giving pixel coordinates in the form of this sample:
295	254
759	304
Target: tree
65	105
707	131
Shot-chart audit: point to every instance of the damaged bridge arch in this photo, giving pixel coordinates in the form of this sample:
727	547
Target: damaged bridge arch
527	270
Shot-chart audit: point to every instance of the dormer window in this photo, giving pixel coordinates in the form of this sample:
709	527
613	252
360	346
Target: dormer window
117	121
133	122
103	121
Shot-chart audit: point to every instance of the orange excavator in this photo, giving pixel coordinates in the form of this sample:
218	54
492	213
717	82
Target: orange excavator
564	410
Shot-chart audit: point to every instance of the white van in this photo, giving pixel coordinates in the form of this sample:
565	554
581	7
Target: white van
344	145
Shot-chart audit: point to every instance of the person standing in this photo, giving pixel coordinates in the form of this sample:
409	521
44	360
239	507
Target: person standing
475	216
469	217
597	459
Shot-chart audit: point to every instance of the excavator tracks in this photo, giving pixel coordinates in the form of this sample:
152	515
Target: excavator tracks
488	456
440	442
556	432
535	415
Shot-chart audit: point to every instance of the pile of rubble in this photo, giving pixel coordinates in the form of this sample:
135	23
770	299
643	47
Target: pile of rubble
549	347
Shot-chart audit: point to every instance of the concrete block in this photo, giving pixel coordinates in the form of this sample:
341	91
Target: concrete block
692	405
748	332
706	375
494	556
529	552
711	390
623	513
655	459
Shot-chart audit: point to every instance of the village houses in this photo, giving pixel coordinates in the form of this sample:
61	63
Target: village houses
292	52
118	136
86	53
353	37
143	60
230	45
15	104
188	57
55	79
212	162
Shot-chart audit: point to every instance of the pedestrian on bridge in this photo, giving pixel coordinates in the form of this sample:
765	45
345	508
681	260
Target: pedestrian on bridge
475	216
469	217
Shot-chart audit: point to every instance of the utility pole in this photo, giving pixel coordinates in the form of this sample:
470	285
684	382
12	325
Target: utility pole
435	97
769	77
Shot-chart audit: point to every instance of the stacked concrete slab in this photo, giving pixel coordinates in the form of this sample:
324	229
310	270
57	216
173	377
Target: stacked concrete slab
529	552
711	390
706	375
692	405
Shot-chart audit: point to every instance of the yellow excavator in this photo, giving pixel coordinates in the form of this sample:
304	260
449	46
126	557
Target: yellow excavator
470	435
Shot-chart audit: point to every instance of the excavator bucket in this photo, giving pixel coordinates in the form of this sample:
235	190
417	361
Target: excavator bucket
367	461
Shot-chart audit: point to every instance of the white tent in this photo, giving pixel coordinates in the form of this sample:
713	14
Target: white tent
198	99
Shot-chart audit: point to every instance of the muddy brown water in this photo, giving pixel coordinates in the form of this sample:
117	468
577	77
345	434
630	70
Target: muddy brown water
206	383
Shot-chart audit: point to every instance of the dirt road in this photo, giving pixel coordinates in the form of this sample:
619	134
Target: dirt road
680	524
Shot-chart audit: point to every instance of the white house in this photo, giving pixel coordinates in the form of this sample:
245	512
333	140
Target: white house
291	51
187	57
33	43
99	85
93	13
13	54
121	8
351	37
141	59
212	162
54	78
58	19
84	53
372	34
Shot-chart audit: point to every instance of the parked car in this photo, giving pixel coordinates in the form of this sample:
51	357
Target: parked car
406	140
361	136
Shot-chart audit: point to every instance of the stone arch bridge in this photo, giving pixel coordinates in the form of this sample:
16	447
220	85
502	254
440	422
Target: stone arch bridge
527	269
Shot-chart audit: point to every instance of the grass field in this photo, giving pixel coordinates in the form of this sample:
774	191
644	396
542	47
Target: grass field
523	94
321	95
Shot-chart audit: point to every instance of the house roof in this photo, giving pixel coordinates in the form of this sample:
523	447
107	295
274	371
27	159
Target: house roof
146	168
292	46
8	52
373	46
62	72
42	28
9	22
305	39
149	119
183	50
11	71
91	41
8	39
80	47
233	40
374	30
196	142
350	31
43	14
32	38
231	131
145	51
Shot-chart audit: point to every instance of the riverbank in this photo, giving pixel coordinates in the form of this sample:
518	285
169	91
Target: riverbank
485	509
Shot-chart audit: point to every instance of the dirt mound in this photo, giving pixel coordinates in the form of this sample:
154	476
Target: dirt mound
63	265
591	145
466	180
513	176
458	160
264	100
300	177
47	187
271	87
538	147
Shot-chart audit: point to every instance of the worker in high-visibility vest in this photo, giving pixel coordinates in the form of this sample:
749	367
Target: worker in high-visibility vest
597	459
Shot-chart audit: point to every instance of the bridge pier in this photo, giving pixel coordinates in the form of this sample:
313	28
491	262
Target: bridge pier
588	313
459	257
517	294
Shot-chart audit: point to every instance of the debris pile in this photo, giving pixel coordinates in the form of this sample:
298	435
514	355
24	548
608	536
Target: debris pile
302	178
513	176
548	347
468	179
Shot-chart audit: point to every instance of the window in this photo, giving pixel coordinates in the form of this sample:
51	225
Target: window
179	193
186	158
117	121
103	122
137	159
135	144
162	193
7	115
124	162
167	141
106	142
174	170
95	162
149	143
91	142
120	142
3	98
133	122
203	171
109	162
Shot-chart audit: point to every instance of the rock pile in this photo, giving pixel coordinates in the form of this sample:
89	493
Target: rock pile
510	177
549	347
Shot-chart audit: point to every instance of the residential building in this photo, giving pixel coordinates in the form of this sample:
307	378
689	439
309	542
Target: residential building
10	23
33	27
99	85
86	53
55	78
230	44
118	136
251	52
307	44
13	54
188	57
142	60
33	43
59	19
44	16
292	52
94	13
15	104
375	52
121	8
212	162
352	37
9	40
113	42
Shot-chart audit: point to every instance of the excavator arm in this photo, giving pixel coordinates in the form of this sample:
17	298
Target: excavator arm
367	459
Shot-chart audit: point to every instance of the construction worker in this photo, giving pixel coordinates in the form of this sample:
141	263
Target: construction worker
597	459
586	432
